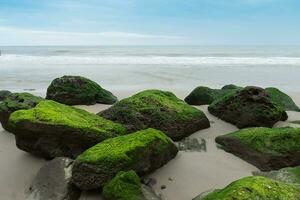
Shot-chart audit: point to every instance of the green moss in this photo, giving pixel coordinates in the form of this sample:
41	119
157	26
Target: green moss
124	186
19	101
282	99
53	113
256	188
273	141
125	150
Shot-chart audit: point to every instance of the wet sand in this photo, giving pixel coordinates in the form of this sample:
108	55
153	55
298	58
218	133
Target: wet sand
186	176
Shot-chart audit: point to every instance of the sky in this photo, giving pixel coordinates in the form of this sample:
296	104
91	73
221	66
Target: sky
149	22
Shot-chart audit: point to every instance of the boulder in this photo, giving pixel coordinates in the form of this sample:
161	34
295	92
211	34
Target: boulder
160	110
289	175
231	87
52	130
143	151
127	186
53	182
266	148
4	94
282	99
249	107
14	102
255	188
77	90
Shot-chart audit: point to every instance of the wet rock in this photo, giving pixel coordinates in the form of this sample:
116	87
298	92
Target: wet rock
77	90
53	182
160	110
249	107
4	94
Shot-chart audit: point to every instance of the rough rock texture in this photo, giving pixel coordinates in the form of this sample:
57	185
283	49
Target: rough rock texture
77	90
282	99
249	107
266	148
204	95
14	102
127	186
255	188
53	182
289	175
160	110
4	94
143	151
52	129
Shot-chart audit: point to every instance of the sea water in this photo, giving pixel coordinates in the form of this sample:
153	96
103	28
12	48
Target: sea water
138	67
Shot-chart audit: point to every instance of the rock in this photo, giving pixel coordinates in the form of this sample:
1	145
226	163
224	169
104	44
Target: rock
127	186
14	102
249	107
4	94
266	148
289	175
231	87
77	90
160	110
52	130
255	188
143	151
53	182
282	99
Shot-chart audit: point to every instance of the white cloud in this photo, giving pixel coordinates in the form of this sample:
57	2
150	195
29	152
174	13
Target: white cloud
17	36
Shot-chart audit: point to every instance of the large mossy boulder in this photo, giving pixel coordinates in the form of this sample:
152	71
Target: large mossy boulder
14	102
143	151
52	129
4	94
255	188
249	107
53	182
289	175
266	148
160	110
127	186
77	90
204	95
282	99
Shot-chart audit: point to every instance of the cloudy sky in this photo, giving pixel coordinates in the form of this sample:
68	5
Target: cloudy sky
149	22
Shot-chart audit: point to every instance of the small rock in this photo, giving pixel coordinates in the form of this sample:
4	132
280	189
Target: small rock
163	187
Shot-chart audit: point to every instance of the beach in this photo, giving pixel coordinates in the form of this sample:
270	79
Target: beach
185	177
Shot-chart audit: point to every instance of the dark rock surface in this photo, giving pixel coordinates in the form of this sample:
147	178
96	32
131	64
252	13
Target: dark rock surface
4	94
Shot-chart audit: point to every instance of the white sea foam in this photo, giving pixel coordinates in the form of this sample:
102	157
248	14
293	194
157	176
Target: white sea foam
146	60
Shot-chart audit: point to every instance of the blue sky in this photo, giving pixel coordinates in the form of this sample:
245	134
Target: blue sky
149	22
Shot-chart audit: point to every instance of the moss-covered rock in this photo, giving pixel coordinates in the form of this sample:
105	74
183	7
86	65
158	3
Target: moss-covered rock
143	151
255	188
127	186
4	94
282	99
266	148
160	110
14	102
248	107
289	175
52	129
204	95
77	90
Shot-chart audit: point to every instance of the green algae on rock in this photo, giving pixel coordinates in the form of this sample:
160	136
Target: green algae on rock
77	90
143	151
255	188
160	110
266	148
14	102
4	94
52	129
289	175
282	99
248	107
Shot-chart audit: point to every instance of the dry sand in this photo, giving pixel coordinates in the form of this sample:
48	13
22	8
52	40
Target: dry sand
186	176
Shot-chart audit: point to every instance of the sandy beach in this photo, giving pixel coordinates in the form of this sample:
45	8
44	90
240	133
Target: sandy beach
186	176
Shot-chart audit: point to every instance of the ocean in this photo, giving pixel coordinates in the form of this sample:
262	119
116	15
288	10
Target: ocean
128	68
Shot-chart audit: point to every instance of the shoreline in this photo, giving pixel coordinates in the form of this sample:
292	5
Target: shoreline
185	177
